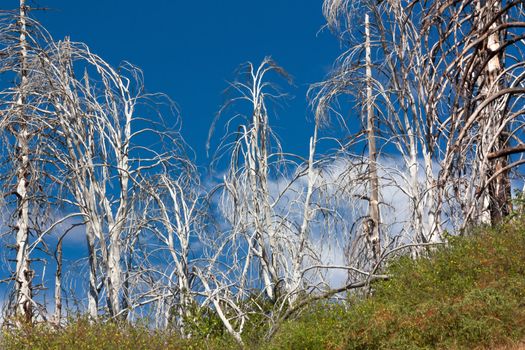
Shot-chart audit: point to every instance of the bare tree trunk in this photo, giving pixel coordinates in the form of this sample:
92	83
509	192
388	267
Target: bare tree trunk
497	199
117	224
93	290
373	206
114	275
58	283
23	275
301	253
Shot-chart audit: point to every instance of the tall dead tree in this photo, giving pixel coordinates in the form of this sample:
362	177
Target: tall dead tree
279	225
173	215
23	274
82	131
486	113
25	124
375	221
247	198
92	150
387	93
496	201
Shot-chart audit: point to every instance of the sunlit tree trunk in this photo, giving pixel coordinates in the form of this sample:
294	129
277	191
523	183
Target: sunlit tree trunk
23	274
373	206
58	283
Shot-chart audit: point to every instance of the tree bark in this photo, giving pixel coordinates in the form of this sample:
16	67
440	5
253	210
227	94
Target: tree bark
374	222
23	274
496	201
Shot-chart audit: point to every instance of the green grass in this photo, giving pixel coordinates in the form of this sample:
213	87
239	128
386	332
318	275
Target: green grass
468	295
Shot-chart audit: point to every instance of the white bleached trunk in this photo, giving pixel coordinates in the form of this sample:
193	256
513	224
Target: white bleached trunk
373	206
23	274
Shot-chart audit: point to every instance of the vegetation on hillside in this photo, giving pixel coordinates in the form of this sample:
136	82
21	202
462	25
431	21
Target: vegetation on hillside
467	295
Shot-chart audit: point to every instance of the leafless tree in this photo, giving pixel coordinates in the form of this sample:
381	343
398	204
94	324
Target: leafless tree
96	160
87	136
175	218
280	224
375	221
22	123
446	88
23	275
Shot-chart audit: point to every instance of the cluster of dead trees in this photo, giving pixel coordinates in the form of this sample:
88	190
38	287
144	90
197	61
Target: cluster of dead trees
429	95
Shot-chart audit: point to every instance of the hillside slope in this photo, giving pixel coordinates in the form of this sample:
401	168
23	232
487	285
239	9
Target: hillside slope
468	295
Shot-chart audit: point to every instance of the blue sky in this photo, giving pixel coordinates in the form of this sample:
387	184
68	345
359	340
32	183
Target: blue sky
189	49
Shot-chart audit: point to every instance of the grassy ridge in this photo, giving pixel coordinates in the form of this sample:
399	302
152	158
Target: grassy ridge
468	295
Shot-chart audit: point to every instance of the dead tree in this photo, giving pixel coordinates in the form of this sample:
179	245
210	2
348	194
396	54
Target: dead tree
101	165
382	63
375	220
174	215
23	275
279	223
481	67
22	118
448	88
247	199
